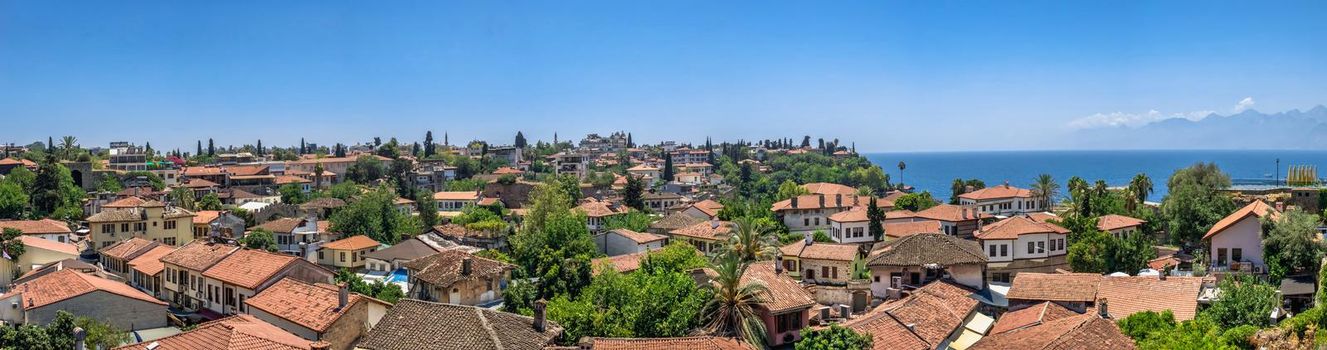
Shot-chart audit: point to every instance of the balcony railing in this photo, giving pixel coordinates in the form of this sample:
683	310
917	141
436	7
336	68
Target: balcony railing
1242	266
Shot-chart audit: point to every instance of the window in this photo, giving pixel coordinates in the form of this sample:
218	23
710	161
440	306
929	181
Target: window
1004	250
1041	247
817	221
320	255
1236	254
1221	256
124	227
824	271
343	256
168	240
1032	247
806	222
140	226
1000	277
992	250
108	228
170	225
835	271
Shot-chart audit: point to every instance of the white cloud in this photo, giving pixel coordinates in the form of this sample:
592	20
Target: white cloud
1115	119
1243	104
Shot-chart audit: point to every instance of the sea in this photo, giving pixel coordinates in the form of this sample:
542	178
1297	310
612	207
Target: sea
935	171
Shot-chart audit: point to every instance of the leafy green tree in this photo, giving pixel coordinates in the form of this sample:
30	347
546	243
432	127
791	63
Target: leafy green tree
1089	253
660	304
292	194
1141	325
677	256
259	239
183	197
345	191
752	239
381	290
54	194
13	200
494	255
374	214
1192	334
109	183
915	201
789	189
553	246
1194	202
819	236
1243	301
1140	187
835	337
427	207
635	221
23	177
732	310
1289	245
210	201
633	193
366	170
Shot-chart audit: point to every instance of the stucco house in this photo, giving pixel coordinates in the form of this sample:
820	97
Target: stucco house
706	236
37	252
347	252
1119	226
819	262
36	301
913	261
623	241
1020	244
318	311
152	220
1235	242
247	272
1002	200
48	229
457	277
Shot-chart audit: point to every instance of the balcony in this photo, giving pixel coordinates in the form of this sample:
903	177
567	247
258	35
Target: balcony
1240	267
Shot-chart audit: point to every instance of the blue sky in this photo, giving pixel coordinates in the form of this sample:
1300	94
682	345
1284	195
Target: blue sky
890	76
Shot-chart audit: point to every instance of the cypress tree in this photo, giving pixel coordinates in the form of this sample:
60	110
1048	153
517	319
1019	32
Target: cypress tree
428	144
668	167
211	148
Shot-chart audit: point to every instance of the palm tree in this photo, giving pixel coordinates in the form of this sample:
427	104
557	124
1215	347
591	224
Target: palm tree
1141	186
67	145
751	240
732	310
901	166
318	175
1045	188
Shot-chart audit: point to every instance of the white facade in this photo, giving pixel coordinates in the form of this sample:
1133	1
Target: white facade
1028	246
1241	242
851	232
1004	206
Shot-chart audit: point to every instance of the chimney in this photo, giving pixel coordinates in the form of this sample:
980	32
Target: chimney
539	306
465	266
822	200
80	336
342	296
845	311
1101	309
320	345
778	264
838	200
965	213
794	202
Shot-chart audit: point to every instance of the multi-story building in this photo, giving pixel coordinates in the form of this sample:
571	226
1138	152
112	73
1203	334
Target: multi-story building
298	236
571	163
1021	244
182	273
457	277
246	272
127	157
808	213
1003	200
690	156
151	220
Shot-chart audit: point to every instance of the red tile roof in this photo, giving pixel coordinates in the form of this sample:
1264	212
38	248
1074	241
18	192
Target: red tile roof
355	242
829	189
598	209
241	331
65	284
1115	222
1014	226
620	263
126	202
706	230
856	214
445	268
638	237
950	213
709	207
36	227
42	243
203	217
456	195
903	229
1087	331
785	294
311	306
150	263
1031	316
1132	294
198	255
1081	287
1257	209
934	311
820	251
997	192
249	268
129	248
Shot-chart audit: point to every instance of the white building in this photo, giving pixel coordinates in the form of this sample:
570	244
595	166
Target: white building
1003	200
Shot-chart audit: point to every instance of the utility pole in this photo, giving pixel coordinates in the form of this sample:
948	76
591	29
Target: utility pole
1276	179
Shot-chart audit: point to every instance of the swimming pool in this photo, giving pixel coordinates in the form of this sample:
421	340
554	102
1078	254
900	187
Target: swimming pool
397	276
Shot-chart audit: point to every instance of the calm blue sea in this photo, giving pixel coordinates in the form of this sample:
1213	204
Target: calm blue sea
934	171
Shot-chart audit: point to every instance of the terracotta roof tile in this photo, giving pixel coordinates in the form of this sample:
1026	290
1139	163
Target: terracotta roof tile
903	229
42	243
1031	316
1257	208
706	230
924	249
1115	222
311	306
456	195
126	202
414	325
997	192
444	268
950	213
1128	295
1086	331
282	225
65	284
621	263
199	255
37	227
785	293
409	249
355	242
638	237
675	221
1014	226
829	189
150	263
249	268
1072	287
203	217
129	248
237	332
935	311
598	209
820	251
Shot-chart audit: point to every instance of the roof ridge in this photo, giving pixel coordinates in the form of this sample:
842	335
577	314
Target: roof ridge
911	330
492	334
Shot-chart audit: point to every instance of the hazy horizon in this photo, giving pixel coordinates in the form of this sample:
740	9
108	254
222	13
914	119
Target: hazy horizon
887	76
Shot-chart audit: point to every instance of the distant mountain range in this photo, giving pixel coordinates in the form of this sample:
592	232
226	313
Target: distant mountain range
1249	129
